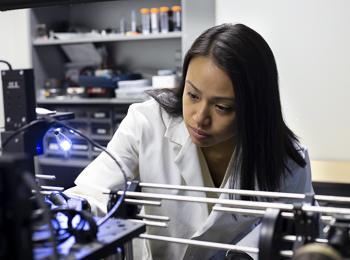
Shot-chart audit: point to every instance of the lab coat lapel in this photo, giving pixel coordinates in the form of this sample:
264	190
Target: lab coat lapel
213	226
187	161
186	155
224	228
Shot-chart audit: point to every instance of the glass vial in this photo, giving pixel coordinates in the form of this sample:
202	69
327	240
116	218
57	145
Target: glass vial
133	21
122	25
176	17
155	20
164	19
145	20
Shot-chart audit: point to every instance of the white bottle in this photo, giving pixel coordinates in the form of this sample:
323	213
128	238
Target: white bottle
155	20
176	17
164	19
133	21
145	20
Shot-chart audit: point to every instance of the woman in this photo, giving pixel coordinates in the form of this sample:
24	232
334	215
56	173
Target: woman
223	127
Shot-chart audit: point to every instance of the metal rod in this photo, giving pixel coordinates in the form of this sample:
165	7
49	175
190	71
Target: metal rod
250	212
143	202
150	223
228	191
321	240
332	198
241	203
286	253
55	188
326	210
128	251
288	215
154	217
253	212
43	192
293	238
270	194
326	218
45	177
201	243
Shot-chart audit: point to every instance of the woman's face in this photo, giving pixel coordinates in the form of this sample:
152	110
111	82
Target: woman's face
208	103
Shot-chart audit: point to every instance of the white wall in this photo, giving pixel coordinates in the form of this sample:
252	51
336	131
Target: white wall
14	44
311	43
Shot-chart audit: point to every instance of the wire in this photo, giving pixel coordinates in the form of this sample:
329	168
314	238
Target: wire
20	130
7	63
29	180
53	121
121	198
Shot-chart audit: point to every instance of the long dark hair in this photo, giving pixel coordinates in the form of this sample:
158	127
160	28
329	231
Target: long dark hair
264	141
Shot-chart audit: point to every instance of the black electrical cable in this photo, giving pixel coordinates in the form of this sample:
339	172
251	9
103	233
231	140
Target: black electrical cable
121	198
29	180
53	121
7	63
20	130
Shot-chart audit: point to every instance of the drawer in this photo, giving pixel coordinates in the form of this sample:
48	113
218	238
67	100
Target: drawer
101	129
80	126
78	112
100	114
79	145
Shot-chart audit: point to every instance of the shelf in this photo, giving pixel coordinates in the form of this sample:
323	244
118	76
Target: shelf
64	162
86	38
88	101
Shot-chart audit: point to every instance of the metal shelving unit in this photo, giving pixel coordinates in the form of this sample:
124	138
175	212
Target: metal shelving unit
95	38
86	101
137	53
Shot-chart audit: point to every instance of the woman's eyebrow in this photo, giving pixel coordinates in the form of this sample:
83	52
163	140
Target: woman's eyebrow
192	85
216	98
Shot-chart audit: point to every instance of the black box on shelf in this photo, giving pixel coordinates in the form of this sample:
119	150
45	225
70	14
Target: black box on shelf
19	98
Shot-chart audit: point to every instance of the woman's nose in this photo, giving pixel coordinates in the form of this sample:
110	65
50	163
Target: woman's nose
202	117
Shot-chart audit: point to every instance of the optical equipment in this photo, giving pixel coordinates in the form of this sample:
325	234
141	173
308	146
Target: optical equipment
111	233
285	227
62	140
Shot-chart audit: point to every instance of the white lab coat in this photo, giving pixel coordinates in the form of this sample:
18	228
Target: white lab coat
156	148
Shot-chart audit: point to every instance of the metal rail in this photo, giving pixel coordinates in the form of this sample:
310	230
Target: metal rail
240	203
253	212
268	194
215	245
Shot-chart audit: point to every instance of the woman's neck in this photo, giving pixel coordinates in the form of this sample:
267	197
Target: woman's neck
219	151
218	158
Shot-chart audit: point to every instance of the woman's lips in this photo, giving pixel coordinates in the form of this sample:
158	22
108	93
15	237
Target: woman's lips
199	134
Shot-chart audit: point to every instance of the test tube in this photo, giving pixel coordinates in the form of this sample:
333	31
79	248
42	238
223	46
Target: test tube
155	20
176	17
164	19
122	26
146	20
133	21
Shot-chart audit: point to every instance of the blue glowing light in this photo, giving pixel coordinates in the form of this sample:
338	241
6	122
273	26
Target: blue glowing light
65	145
63	141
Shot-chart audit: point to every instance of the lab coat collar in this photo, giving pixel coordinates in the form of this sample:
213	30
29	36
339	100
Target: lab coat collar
186	155
176	131
187	161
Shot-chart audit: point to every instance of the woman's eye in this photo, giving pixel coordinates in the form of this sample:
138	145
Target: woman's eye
224	108
192	96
